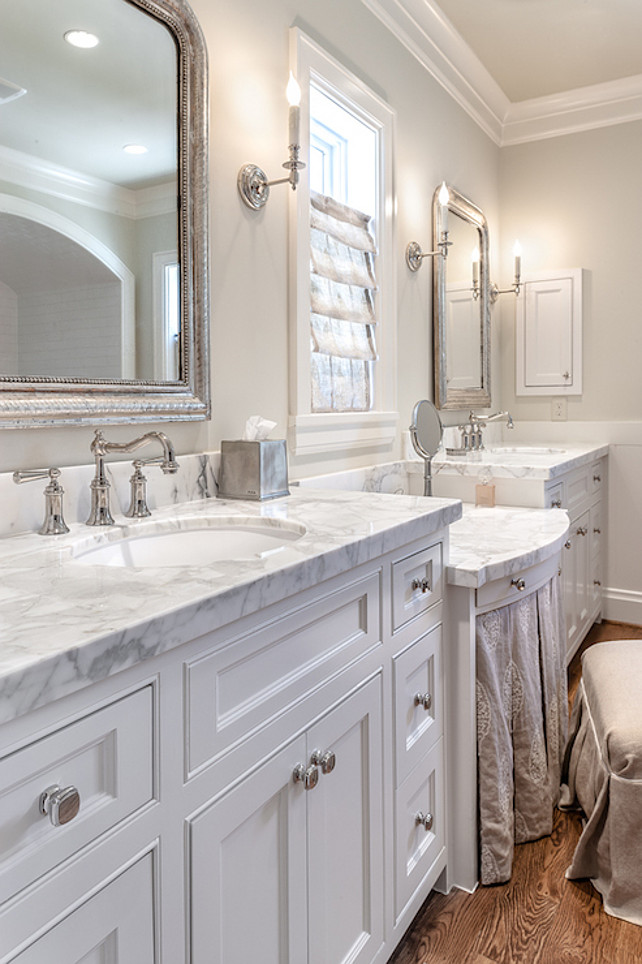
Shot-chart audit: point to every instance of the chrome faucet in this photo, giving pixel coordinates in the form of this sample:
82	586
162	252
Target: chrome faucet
471	433
100	514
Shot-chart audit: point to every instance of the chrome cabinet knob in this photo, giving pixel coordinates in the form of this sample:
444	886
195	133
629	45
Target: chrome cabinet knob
60	805
598	532
597	478
327	761
424	820
596	582
556	503
520	584
423	699
423	584
308	776
582	530
567	544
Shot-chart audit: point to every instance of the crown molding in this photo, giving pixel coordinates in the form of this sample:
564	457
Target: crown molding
425	31
27	171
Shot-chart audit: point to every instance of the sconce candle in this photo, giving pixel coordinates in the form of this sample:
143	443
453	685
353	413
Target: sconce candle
293	93
475	261
444	198
517	252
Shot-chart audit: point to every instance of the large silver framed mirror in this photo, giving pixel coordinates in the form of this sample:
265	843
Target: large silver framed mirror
461	306
103	213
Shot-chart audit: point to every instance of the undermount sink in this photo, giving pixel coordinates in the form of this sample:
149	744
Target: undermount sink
190	542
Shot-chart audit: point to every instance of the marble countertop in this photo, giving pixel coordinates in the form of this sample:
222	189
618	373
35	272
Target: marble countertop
65	625
487	544
520	461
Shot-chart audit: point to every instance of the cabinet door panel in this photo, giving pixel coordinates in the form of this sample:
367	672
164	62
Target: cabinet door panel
247	853
417	673
115	926
345	834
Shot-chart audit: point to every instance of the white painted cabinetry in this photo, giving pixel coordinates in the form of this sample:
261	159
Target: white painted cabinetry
273	789
548	336
582	493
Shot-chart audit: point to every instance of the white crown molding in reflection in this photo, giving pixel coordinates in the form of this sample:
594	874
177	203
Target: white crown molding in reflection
425	31
27	171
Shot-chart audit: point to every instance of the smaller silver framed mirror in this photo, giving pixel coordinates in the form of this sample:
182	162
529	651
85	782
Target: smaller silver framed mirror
426	433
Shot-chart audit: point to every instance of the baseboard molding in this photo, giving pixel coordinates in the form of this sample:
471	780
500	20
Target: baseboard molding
623	606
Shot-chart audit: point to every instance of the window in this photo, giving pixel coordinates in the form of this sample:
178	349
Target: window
343	363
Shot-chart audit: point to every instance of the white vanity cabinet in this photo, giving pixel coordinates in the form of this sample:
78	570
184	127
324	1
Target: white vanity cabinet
582	492
273	788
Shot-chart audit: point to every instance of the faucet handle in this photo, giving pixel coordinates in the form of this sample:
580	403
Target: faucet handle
54	523
138	508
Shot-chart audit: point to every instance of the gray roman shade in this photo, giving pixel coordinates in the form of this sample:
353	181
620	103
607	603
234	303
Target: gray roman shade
342	306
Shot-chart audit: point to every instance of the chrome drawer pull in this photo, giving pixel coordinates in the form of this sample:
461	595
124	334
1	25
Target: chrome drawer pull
597	478
327	761
309	776
423	699
598	532
582	531
424	820
556	504
596	582
60	805
520	584
423	584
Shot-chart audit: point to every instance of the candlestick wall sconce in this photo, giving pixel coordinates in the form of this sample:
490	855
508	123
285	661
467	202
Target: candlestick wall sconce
414	254
515	289
252	182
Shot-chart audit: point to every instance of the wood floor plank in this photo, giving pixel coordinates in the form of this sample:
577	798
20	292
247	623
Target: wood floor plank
538	917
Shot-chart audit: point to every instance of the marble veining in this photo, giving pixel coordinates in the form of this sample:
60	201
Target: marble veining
64	625
488	544
520	462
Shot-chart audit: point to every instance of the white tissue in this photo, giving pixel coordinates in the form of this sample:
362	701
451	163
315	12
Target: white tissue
257	428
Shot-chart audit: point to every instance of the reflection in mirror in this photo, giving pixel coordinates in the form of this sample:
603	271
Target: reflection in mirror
461	308
103	161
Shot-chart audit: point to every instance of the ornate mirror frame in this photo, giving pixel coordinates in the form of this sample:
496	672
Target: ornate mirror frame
27	402
445	397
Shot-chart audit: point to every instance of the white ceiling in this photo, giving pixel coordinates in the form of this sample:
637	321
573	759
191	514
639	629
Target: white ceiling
536	48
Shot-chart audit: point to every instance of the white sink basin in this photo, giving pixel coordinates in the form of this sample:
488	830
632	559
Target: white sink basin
189	542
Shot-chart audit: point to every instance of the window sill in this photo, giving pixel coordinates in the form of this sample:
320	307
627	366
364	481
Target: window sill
339	431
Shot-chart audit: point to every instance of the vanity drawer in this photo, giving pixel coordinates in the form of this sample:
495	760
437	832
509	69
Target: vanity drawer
418	695
418	844
555	496
501	592
107	756
234	690
579	489
417	584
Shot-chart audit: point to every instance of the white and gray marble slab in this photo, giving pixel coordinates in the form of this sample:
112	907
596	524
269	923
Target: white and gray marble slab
519	462
65	625
491	543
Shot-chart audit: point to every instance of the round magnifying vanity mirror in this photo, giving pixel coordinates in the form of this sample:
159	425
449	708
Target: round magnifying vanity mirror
426	432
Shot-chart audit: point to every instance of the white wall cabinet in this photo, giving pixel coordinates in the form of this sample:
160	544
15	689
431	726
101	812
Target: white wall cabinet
548	337
194	843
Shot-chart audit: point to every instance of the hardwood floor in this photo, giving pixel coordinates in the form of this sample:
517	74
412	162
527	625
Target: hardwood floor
538	917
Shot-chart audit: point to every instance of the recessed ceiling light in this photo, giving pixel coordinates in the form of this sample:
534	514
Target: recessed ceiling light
135	149
81	38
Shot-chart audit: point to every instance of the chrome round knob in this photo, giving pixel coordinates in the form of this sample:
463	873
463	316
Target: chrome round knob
423	584
520	584
327	761
60	805
582	530
308	776
556	503
567	544
423	699
424	820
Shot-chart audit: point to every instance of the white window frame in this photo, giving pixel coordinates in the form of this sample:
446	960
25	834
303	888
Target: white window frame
312	433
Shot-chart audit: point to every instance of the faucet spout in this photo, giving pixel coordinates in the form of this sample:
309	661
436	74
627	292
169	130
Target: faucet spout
100	514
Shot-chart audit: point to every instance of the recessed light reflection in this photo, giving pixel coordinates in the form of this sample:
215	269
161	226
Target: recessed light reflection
81	38
135	149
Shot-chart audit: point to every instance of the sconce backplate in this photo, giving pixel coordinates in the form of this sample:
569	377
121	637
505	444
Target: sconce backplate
253	187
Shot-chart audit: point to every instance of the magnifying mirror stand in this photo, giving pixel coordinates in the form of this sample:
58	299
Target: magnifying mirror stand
426	432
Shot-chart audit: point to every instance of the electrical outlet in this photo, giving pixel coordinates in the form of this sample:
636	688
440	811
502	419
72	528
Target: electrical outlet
558	410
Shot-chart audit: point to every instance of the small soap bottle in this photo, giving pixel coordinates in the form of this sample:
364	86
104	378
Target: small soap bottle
485	490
